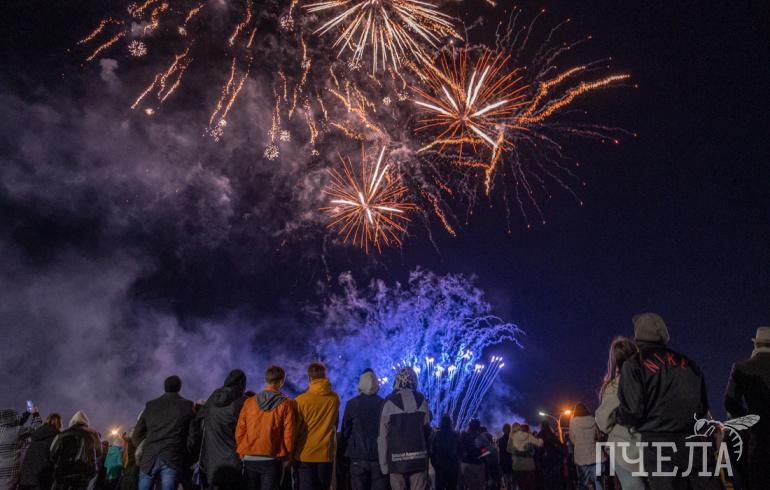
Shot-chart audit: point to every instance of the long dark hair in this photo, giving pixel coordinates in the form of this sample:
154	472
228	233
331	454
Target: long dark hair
621	349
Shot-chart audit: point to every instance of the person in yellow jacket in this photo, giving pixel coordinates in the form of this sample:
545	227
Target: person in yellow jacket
317	417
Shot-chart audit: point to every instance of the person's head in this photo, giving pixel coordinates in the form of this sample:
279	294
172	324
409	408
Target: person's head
368	384
650	328
525	428
483	429
621	349
172	384
545	427
54	420
406	379
474	425
316	370
236	379
762	339
445	425
275	376
580	410
515	427
79	419
506	428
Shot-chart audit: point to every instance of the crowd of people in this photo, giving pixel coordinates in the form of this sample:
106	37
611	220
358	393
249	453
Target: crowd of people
240	440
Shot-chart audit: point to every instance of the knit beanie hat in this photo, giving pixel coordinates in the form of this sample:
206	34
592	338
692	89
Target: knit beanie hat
650	327
406	379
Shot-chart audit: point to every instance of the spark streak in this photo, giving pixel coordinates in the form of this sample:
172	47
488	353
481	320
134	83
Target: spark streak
369	211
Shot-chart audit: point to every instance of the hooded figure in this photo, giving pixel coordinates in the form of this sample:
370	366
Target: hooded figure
360	427
212	432
76	454
404	430
14	429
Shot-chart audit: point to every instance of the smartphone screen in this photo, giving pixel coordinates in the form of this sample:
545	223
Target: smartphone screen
29	405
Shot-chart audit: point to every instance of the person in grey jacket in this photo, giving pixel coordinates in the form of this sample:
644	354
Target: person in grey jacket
404	430
14	429
626	459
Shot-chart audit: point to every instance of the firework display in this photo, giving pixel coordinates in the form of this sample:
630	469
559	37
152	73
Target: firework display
464	119
369	211
392	29
439	325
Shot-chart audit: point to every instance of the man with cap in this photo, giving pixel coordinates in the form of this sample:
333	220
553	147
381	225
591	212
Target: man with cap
661	393
748	392
404	431
163	426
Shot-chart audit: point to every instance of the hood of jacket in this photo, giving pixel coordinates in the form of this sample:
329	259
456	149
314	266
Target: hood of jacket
368	383
269	398
236	379
583	422
80	418
320	386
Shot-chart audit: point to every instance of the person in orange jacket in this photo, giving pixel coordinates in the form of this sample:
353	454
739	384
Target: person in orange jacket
318	414
264	435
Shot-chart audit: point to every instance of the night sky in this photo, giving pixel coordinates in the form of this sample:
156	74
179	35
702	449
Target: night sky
675	220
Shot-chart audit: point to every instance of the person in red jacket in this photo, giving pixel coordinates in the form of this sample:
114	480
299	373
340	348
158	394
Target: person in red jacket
264	435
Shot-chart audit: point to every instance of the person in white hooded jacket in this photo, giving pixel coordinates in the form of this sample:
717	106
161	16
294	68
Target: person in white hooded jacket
583	434
521	445
626	459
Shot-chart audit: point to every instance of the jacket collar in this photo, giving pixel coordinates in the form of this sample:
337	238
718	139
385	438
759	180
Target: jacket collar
760	350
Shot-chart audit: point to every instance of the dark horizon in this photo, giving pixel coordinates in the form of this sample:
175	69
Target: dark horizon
675	220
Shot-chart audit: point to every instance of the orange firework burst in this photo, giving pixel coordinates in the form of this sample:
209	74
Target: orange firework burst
469	104
369	210
485	105
393	28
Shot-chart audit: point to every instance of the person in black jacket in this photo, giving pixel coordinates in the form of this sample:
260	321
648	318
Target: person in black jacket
445	454
504	458
472	465
36	469
661	392
748	393
360	427
163	427
76	454
213	431
549	459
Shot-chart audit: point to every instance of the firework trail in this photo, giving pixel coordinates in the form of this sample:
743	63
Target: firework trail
176	23
369	210
438	325
390	29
